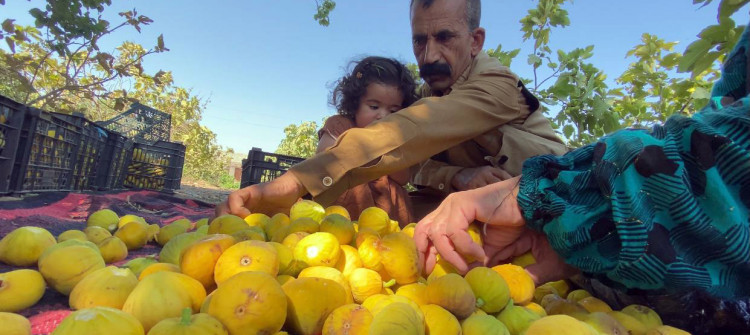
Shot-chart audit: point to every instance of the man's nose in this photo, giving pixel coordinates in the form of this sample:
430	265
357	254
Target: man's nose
431	52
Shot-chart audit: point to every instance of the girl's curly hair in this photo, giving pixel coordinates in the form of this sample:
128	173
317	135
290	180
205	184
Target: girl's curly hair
349	89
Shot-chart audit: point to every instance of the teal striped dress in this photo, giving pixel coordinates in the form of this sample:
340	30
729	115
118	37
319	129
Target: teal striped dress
664	209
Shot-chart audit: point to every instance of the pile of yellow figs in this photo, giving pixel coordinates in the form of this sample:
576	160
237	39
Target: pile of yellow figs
314	271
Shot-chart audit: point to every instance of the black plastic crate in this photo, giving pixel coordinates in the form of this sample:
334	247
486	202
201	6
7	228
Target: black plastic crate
90	157
142	124
11	121
47	151
116	162
260	166
156	166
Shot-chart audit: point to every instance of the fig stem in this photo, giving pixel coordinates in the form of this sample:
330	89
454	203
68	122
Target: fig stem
480	302
389	283
187	312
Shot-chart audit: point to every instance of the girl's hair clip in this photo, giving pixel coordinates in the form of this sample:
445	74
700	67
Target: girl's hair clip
359	75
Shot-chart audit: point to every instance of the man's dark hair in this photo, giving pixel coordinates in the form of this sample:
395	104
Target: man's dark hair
349	90
473	11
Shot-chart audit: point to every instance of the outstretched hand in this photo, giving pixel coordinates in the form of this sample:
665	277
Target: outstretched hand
276	196
549	265
444	231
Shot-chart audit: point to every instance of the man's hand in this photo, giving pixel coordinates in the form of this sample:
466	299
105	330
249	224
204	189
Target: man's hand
471	178
276	196
444	231
549	265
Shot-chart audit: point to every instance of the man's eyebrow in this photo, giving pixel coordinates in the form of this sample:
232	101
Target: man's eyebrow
415	36
445	32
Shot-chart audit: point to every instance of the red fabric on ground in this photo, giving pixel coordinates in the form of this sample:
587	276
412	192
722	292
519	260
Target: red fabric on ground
58	212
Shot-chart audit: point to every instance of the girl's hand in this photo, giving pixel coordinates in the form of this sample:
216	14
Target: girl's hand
444	231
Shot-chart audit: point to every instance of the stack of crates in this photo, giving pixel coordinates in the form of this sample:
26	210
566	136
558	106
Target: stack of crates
11	121
154	163
261	167
43	151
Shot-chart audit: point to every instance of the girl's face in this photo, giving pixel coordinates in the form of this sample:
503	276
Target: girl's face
379	100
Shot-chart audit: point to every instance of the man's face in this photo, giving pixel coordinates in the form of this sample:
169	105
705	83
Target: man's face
443	45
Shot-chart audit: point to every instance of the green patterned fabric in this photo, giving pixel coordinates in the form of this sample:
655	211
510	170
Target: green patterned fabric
659	209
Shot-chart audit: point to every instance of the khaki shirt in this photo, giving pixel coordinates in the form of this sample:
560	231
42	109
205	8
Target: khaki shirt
506	146
486	97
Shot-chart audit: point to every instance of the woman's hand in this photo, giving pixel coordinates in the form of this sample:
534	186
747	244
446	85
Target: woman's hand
444	231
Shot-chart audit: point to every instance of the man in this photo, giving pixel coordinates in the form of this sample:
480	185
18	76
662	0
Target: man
476	109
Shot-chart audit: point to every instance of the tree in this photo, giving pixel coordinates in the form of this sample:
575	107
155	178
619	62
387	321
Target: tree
300	140
58	66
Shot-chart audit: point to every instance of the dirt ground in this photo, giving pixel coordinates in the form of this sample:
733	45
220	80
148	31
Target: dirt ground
203	192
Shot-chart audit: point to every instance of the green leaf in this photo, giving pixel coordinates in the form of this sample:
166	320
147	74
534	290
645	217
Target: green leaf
11	44
701	93
717	32
534	60
160	42
568	130
8	26
729	7
694	52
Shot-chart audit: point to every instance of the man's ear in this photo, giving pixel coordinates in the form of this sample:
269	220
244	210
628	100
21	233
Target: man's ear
477	42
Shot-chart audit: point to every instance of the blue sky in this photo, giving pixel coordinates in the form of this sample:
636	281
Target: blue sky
264	64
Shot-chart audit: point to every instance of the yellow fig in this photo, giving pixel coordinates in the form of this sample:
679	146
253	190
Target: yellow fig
99	320
199	259
163	295
409	229
340	210
398	318
20	289
303	224
490	289
666	330
104	218
172	251
24	245
107	287
644	314
339	226
277	229
284	255
96	234
328	273
369	253
483	324
251	233
250	303
536	308
520	283
246	256
593	304
375	219
399	257
604	324
351	319
65	264
318	249
633	325
307	209
364	283
125	219
310	300
112	249
348	260
189	324
453	293
566	307
134	234
414	292
137	265
476	236
226	224
169	231
524	260
259	220
516	318
292	239
577	295
158	267
559	324
72	234
439	321
15	324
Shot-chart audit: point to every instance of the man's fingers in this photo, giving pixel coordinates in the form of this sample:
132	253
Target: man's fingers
236	202
221	209
431	259
421	240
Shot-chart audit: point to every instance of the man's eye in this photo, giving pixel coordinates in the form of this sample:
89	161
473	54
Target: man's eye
418	41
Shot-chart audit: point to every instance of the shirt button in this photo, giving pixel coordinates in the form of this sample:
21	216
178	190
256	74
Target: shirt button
441	186
327	181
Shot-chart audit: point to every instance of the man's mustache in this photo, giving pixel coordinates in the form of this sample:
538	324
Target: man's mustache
435	69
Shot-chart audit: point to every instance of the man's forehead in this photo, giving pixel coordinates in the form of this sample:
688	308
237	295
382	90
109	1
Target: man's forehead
440	15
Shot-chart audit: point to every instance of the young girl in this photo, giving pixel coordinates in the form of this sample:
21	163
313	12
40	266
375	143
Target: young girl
376	87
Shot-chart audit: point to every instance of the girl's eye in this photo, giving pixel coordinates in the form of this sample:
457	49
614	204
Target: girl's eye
373	107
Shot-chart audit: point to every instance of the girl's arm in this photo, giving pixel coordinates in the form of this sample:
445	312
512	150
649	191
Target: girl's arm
325	142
